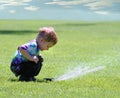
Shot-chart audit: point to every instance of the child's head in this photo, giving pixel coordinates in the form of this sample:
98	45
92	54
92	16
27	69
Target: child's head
46	38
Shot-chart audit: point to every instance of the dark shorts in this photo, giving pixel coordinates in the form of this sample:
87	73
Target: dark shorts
27	69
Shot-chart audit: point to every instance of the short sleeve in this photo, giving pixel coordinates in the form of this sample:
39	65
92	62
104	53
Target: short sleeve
29	45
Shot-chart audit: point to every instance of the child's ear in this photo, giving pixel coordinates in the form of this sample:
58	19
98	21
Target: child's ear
42	40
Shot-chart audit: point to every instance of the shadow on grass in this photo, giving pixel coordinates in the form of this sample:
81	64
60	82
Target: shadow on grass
44	80
80	24
76	24
17	32
21	32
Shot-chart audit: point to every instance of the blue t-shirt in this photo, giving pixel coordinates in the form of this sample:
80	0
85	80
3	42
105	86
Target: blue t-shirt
32	49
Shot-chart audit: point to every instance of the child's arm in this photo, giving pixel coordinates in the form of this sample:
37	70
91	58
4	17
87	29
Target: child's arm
29	57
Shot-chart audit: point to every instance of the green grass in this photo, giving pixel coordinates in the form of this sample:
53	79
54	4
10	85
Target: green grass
80	44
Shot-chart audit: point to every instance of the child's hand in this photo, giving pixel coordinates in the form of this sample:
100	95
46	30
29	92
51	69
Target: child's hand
35	59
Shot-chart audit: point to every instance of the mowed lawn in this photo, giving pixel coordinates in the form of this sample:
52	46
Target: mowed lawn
85	44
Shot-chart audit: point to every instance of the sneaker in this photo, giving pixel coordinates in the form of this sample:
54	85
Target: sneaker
32	78
27	79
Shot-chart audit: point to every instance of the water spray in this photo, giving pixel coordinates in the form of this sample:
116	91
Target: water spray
78	72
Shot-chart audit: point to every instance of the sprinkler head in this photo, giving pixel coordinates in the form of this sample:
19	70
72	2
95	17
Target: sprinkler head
49	79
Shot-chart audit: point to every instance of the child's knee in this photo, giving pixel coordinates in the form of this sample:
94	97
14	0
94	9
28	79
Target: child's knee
40	58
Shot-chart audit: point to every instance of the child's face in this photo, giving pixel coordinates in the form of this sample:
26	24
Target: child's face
44	45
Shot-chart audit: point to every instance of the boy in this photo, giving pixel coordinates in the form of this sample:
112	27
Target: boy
27	62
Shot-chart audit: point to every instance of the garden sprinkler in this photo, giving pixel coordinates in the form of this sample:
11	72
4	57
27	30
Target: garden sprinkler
49	79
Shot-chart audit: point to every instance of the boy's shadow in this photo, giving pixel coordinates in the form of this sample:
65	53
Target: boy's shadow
44	80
